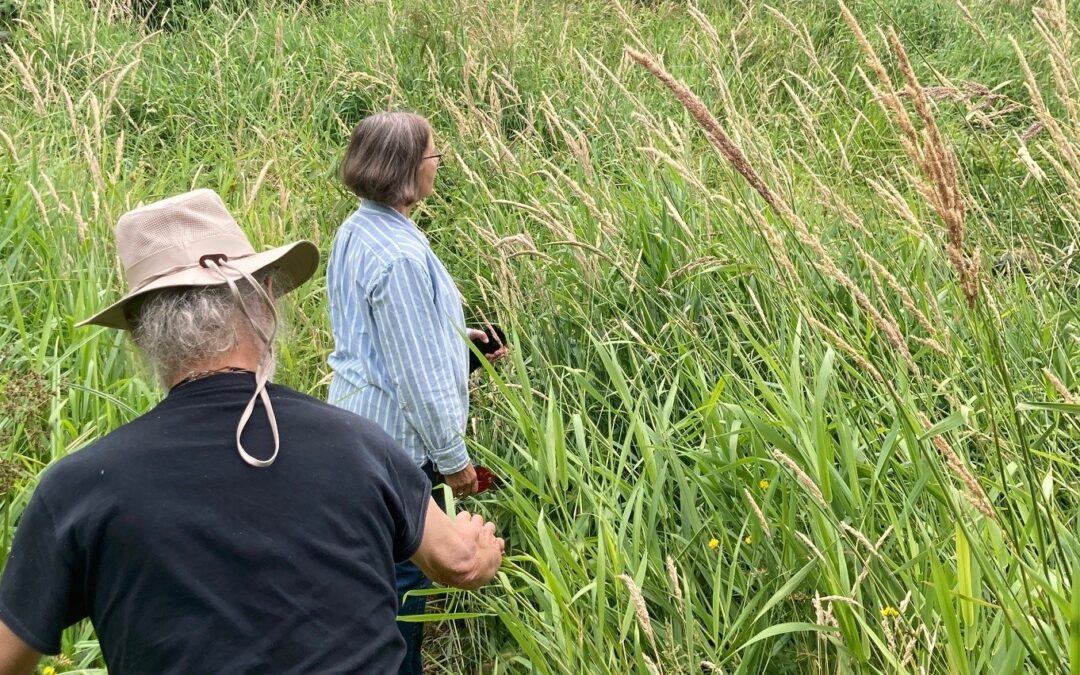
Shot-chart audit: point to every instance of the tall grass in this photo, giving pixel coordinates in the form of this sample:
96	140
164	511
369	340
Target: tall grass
797	363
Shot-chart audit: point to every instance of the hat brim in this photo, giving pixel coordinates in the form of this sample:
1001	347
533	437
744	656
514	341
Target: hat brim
296	263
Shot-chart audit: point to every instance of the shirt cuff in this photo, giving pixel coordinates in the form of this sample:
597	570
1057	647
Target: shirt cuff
451	459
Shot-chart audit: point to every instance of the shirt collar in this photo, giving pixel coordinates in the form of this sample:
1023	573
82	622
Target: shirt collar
392	215
216	382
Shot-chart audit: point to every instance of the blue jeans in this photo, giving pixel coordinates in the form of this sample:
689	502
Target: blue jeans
408	577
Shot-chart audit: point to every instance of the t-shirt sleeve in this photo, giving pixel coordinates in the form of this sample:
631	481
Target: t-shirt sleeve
407	498
37	593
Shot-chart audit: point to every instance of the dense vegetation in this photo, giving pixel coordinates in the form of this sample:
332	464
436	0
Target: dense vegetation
796	379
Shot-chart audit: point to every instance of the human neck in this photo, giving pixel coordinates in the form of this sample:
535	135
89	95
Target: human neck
403	209
240	359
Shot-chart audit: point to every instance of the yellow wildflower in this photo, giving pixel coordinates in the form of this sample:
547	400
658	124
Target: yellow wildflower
714	543
889	611
747	540
763	484
48	670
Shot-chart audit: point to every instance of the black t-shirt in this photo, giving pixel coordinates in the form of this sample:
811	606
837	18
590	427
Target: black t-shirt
188	560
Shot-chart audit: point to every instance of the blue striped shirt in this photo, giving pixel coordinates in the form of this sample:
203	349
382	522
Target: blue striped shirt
400	357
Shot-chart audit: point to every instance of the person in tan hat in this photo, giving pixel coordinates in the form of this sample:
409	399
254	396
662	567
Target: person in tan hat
238	526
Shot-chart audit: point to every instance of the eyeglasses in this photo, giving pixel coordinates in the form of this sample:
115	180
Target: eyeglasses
435	156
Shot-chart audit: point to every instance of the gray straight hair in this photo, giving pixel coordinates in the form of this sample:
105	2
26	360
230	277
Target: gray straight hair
382	162
178	329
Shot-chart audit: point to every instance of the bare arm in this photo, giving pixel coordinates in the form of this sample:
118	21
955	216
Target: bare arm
16	657
463	552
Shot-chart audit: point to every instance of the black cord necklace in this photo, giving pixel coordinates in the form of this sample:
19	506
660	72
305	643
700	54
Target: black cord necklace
207	373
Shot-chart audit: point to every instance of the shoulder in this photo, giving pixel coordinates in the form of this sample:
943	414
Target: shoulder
81	473
403	272
381	232
401	252
331	419
107	447
370	244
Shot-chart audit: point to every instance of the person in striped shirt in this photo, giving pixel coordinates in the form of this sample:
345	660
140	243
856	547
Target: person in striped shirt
400	354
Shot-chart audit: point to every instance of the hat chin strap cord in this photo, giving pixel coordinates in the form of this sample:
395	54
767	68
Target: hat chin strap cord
266	360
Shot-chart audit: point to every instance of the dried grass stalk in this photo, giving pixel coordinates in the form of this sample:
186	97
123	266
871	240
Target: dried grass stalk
640	610
40	203
730	151
905	298
840	598
823	615
888	97
928	152
874	548
975	494
810	544
757	512
653	668
859	536
852	353
27	80
10	144
807	482
938	164
776	245
1063	391
712	128
890	194
673	576
970	20
1032	131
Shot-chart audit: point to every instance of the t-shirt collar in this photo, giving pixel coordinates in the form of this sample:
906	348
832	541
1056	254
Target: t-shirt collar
215	382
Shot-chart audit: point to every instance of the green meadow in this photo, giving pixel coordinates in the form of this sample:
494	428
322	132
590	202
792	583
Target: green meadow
792	289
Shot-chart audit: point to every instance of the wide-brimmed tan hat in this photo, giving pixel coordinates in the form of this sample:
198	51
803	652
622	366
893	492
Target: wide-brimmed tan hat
182	241
191	240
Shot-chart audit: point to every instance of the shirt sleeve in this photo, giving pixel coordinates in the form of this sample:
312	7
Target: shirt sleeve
420	363
408	499
38	599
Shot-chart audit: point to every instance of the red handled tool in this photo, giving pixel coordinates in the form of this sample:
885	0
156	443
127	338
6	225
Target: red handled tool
486	480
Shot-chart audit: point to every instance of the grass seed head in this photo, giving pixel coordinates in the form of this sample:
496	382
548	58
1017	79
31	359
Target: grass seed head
807	482
673	576
757	512
1063	391
975	494
640	610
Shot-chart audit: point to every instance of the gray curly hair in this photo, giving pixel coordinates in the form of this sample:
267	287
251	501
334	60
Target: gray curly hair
178	329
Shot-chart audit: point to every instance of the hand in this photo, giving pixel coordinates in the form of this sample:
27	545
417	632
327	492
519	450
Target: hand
489	548
482	336
463	482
